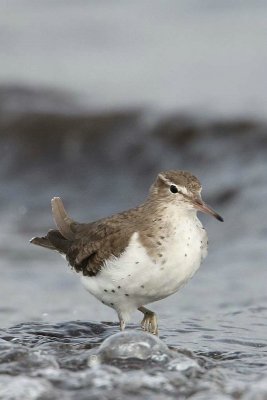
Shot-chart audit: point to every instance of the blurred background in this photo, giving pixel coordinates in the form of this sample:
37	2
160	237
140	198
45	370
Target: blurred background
97	97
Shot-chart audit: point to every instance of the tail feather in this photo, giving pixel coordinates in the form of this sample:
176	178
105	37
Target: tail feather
43	242
62	220
62	238
53	241
58	241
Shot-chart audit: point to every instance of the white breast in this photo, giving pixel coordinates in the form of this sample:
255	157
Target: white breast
135	278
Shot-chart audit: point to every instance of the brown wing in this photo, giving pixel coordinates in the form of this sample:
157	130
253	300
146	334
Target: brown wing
91	244
88	257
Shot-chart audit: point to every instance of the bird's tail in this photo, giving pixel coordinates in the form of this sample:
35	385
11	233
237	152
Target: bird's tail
43	242
62	238
53	241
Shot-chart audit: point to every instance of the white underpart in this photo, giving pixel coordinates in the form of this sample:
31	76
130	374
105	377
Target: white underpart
135	279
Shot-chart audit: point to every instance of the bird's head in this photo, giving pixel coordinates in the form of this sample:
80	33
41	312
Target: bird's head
182	189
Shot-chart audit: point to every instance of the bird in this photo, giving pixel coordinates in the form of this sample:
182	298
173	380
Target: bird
141	255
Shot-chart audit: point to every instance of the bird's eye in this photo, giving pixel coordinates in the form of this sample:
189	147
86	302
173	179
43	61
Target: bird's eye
173	189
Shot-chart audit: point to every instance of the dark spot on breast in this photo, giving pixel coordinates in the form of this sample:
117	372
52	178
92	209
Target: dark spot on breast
113	291
112	304
142	286
126	294
136	262
185	255
159	243
160	255
105	290
162	237
118	287
103	302
129	275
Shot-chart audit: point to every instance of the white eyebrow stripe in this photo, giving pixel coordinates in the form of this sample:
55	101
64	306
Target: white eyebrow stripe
182	189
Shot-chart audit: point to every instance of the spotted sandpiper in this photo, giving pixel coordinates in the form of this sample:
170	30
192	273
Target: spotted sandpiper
141	255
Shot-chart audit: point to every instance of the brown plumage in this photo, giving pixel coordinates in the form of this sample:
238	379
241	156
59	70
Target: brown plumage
87	246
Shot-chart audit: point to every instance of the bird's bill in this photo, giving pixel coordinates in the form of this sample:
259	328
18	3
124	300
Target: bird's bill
201	206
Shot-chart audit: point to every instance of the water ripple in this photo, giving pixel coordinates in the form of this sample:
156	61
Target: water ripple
53	360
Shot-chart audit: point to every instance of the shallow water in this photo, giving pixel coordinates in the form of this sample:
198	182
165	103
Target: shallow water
78	360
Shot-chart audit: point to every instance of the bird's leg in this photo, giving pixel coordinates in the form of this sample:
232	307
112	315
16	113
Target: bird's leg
122	324
149	322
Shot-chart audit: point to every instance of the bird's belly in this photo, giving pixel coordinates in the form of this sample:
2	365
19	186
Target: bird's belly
183	258
136	278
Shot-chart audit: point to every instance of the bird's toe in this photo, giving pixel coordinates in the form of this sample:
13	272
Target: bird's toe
149	323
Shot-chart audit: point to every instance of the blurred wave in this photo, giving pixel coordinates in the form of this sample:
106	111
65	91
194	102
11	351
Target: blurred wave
207	56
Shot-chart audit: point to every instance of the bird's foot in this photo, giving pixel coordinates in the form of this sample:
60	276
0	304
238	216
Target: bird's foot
149	322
